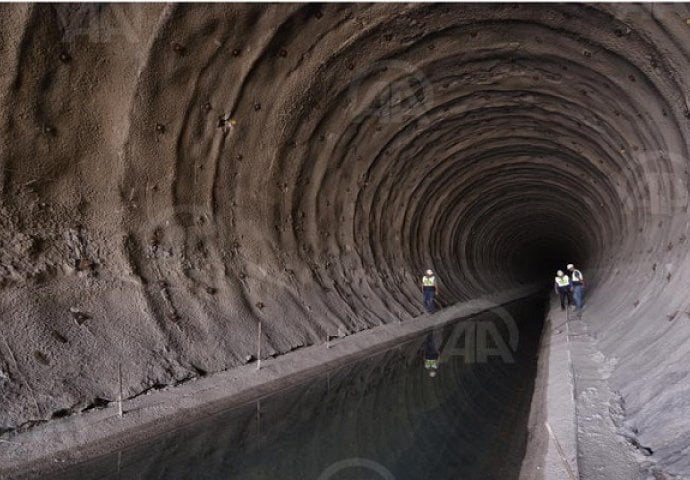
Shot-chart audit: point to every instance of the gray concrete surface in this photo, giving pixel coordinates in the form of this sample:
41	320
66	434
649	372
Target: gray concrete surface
590	432
603	453
552	450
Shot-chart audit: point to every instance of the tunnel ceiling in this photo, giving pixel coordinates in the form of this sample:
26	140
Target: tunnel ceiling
173	174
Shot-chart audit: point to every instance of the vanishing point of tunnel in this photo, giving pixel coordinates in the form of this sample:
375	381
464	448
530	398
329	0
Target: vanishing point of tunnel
172	176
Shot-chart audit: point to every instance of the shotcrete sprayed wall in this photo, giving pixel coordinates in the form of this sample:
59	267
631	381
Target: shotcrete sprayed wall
173	174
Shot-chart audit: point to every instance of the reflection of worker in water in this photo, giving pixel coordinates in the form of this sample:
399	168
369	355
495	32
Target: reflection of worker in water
430	290
431	355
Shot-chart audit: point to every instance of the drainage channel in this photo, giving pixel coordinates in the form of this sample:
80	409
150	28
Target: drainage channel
391	416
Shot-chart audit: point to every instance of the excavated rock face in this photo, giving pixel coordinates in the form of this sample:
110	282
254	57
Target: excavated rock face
171	175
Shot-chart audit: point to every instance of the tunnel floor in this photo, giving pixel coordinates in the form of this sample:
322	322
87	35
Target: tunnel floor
382	417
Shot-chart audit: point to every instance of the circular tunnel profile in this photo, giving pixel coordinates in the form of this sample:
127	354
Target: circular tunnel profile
177	174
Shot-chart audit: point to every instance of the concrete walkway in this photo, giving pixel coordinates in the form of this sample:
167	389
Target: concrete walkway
572	430
603	453
67	441
552	443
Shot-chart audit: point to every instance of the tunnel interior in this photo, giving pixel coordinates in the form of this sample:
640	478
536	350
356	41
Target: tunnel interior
173	175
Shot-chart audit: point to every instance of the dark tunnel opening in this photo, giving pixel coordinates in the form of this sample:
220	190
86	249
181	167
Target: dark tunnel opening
541	259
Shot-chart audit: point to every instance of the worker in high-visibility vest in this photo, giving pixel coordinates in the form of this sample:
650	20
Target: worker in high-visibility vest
562	287
577	285
430	290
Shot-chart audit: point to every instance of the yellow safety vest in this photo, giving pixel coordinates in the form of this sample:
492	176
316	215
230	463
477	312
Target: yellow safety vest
428	281
563	281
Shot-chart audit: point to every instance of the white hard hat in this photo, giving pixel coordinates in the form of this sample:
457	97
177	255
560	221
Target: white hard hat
429	272
570	265
559	273
432	373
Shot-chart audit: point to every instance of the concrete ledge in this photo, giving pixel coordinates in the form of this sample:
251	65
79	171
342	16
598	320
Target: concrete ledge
67	441
552	442
572	432
604	453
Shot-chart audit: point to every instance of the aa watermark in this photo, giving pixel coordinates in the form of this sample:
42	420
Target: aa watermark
100	23
364	468
161	228
654	184
631	13
391	91
188	237
479	339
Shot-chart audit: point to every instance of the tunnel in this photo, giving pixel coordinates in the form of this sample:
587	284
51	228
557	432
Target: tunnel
173	175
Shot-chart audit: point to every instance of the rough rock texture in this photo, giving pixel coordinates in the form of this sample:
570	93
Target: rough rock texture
171	175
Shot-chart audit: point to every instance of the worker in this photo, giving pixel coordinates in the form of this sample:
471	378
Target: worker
562	287
577	285
430	290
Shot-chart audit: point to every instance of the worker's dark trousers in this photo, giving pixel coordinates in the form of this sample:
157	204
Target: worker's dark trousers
564	293
429	295
578	295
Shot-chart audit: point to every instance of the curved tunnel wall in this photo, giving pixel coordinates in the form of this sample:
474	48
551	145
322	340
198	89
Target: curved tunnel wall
171	175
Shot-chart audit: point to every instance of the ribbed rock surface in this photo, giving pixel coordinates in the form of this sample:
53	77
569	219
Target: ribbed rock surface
171	175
